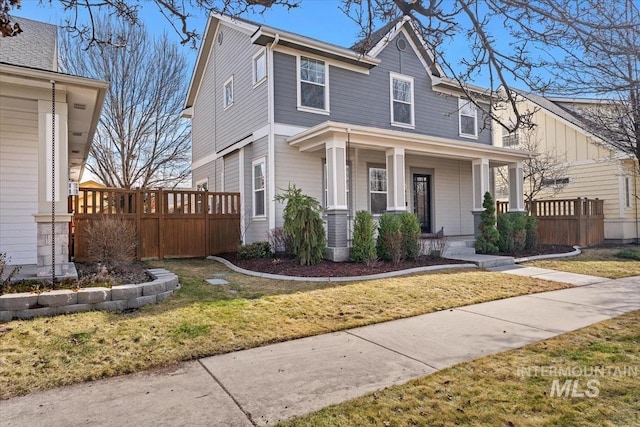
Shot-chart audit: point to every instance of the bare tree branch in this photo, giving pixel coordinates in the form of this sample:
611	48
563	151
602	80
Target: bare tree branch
141	140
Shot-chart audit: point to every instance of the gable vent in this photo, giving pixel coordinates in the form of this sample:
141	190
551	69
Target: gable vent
80	106
401	44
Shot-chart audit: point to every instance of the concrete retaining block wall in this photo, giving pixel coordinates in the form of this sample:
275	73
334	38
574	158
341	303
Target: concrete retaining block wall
28	305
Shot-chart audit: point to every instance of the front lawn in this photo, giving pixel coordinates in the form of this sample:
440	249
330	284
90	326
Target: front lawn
514	388
602	262
203	320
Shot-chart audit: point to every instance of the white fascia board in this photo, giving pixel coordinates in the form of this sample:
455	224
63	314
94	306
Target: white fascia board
266	34
334	63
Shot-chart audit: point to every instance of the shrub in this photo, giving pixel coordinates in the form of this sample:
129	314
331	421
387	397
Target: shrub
516	232
364	246
303	224
505	229
111	241
410	230
629	253
254	250
280	242
5	282
388	225
487	242
531	228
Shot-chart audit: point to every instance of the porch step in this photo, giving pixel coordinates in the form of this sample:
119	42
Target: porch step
486	261
460	247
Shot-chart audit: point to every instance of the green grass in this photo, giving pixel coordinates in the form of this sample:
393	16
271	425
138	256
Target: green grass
612	262
202	320
505	390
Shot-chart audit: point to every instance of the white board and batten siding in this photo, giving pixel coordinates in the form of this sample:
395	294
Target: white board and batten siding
18	179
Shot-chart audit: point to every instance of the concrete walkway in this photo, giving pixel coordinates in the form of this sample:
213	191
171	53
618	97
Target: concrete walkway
263	385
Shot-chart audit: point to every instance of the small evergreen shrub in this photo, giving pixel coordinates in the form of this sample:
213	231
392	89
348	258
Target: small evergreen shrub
629	253
111	241
364	246
254	250
519	231
410	230
487	242
388	229
504	225
303	224
531	228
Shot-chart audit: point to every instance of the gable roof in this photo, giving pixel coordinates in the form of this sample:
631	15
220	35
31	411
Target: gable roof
35	47
367	43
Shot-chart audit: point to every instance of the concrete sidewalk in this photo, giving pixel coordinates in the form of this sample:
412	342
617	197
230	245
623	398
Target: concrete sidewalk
263	385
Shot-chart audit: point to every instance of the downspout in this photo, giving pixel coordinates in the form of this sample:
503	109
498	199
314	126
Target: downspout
271	149
349	200
636	200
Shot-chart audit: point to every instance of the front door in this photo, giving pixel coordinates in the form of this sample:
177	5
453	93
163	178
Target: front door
422	201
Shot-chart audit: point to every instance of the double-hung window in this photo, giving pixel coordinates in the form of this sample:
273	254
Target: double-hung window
627	192
259	188
228	93
402	108
313	90
377	190
259	67
468	114
510	139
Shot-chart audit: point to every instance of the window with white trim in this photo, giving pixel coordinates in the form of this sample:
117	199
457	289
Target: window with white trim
313	91
510	139
228	93
202	185
401	93
259	187
377	190
627	192
259	67
468	114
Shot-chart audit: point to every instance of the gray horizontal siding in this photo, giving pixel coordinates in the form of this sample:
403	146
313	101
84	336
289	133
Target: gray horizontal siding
364	99
215	128
231	170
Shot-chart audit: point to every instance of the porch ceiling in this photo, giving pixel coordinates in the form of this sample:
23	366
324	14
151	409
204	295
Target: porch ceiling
314	139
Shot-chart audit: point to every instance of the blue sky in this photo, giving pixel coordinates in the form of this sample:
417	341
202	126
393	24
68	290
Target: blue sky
320	19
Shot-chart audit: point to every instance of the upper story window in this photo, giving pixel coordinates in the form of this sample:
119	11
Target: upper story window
510	139
468	118
313	87
228	93
259	67
401	91
627	192
377	190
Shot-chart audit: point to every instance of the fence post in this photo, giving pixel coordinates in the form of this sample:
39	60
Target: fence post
207	227
161	214
139	207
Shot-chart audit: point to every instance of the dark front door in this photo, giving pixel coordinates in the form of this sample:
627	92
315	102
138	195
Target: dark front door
422	201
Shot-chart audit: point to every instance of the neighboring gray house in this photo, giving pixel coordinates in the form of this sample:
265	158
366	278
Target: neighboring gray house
383	132
28	71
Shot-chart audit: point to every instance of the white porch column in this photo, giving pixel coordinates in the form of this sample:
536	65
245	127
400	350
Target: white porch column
336	175
337	209
516	190
395	180
480	175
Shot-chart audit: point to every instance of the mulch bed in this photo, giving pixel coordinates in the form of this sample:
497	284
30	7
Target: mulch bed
286	265
543	250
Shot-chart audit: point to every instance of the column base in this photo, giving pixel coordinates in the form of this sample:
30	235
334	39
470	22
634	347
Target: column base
476	223
337	254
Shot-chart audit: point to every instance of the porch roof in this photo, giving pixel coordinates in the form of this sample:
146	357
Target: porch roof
314	138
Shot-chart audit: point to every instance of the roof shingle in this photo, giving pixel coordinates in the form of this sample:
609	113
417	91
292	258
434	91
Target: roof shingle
35	47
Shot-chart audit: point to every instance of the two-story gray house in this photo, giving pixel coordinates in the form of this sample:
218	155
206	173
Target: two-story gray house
383	131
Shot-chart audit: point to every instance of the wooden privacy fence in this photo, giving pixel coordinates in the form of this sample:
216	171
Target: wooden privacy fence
566	222
168	223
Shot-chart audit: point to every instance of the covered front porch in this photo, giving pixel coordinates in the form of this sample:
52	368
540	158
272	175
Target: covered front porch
443	181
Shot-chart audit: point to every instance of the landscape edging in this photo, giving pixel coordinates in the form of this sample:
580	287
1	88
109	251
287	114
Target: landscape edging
27	305
576	252
388	274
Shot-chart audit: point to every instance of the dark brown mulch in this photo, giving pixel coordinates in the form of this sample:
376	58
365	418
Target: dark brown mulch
286	265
